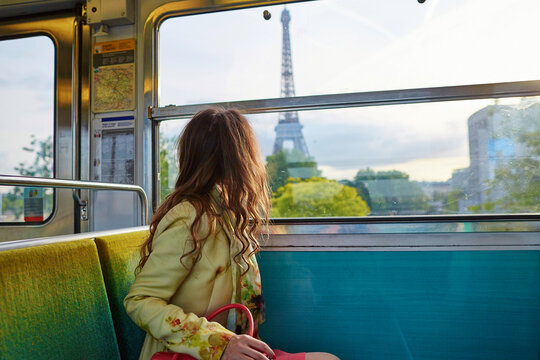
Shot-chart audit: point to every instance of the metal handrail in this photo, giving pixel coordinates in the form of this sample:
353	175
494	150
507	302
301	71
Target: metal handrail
12	180
358	99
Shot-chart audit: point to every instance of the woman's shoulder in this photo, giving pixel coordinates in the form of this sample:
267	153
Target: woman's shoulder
182	213
182	210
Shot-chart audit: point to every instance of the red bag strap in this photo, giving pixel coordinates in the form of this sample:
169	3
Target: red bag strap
235	306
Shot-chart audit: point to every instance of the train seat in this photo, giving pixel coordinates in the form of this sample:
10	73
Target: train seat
54	304
119	255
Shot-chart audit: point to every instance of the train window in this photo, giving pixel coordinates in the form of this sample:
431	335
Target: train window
466	157
26	142
434	157
344	46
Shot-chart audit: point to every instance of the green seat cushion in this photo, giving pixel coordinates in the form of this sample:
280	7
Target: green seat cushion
119	255
53	304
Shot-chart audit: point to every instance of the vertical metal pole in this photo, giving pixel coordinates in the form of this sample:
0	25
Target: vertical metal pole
75	122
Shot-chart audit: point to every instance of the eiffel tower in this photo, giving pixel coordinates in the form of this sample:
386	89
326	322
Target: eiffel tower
288	127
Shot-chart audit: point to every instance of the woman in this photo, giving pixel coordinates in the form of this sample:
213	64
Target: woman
200	252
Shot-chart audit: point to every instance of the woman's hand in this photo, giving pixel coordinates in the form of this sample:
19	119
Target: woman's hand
244	347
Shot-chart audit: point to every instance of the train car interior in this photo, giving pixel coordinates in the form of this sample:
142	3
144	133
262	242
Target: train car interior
401	140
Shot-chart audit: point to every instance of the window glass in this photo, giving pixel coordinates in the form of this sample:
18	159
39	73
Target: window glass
463	157
342	46
26	139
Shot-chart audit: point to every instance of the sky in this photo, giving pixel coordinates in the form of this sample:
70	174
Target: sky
26	98
349	46
337	46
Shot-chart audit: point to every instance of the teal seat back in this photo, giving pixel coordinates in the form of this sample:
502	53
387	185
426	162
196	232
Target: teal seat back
53	304
404	304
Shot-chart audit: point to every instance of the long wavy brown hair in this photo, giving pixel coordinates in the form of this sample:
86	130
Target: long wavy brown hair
218	149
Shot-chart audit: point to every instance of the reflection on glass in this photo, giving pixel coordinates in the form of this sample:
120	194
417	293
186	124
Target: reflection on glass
466	157
343	46
168	163
26	140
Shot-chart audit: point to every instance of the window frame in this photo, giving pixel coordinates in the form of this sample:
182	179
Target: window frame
408	224
63	31
55	50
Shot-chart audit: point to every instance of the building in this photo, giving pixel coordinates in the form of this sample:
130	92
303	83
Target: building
493	144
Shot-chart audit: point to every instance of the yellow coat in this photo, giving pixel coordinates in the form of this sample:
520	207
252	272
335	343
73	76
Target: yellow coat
169	301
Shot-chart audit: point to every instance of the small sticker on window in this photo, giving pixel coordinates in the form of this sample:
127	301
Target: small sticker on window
33	204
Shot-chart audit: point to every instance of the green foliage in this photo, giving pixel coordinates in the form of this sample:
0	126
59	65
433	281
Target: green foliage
368	175
317	197
486	207
167	165
390	192
289	163
520	178
277	170
12	203
361	189
42	166
452	203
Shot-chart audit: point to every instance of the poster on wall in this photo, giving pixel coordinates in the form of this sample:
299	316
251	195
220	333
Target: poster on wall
117	150
113	78
114	149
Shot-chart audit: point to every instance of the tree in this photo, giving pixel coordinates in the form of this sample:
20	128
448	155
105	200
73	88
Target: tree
167	165
520	178
452	203
390	192
317	197
42	166
277	170
361	189
12	202
289	163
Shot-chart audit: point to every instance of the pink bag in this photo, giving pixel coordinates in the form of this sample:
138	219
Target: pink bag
178	356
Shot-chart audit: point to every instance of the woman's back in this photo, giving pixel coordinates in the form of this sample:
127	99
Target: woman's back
164	285
200	254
